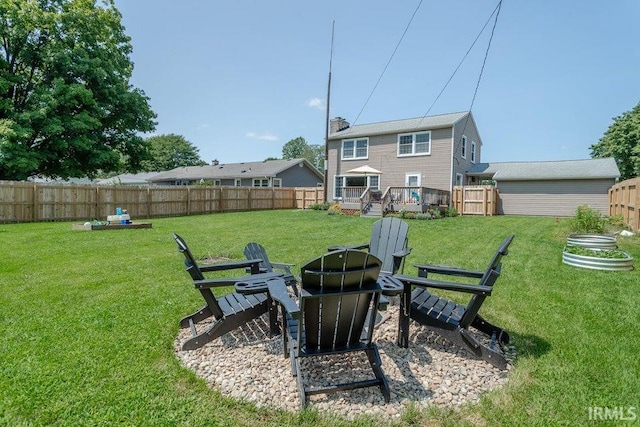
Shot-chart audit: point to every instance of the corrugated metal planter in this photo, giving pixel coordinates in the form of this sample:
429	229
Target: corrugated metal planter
592	241
623	261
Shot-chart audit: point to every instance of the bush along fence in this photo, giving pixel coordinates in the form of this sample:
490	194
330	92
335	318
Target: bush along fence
624	200
30	202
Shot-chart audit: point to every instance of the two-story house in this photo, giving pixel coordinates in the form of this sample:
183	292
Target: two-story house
432	152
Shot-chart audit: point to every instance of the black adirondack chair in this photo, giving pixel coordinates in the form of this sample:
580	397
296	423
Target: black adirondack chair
255	250
389	242
452	320
229	311
338	290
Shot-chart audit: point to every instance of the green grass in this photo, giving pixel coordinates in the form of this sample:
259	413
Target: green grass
88	319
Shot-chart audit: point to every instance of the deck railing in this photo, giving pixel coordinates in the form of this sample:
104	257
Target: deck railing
395	198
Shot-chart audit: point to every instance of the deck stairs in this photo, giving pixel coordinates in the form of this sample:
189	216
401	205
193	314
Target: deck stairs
374	210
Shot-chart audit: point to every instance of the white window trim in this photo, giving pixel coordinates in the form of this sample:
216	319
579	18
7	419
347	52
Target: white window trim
277	182
459	178
473	151
335	186
408	174
463	147
355	149
413	144
259	181
238	182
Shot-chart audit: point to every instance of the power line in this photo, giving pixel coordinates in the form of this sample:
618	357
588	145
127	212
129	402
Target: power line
496	9
388	62
484	61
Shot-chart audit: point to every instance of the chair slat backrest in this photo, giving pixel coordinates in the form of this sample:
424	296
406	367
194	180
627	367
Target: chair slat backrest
338	290
256	251
488	279
388	235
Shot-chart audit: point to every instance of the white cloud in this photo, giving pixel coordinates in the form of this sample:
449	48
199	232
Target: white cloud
316	103
264	136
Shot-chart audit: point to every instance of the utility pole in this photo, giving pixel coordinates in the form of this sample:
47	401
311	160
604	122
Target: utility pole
326	127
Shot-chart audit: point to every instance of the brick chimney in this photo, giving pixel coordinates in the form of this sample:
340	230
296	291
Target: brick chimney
338	124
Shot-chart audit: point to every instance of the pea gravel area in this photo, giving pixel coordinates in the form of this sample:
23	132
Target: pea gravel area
249	365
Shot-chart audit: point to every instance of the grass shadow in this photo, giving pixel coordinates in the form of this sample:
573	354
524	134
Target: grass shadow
529	345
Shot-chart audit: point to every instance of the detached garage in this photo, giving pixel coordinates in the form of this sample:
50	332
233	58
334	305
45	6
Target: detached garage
550	188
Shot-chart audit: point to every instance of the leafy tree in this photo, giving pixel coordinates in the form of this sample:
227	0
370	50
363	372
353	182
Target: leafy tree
298	148
622	142
66	106
171	151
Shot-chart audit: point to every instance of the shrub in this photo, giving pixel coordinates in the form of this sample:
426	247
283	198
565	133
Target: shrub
334	209
407	215
587	220
425	215
435	213
451	212
320	206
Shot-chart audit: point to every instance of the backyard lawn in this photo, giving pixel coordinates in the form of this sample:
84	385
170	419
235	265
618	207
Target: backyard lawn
88	320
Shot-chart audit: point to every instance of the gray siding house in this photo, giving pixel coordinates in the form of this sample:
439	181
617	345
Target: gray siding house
432	151
554	188
271	173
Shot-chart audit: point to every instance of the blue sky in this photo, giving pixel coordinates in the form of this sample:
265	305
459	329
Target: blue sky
239	79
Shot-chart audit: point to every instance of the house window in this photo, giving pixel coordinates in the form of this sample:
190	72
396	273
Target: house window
277	182
458	179
414	144
374	182
473	152
264	182
355	149
238	182
412	180
338	183
463	147
216	182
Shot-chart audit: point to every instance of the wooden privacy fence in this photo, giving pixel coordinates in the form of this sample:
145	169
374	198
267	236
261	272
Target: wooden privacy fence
624	199
29	202
476	200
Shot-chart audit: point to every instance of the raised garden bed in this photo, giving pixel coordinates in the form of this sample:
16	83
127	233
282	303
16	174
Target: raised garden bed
597	258
592	241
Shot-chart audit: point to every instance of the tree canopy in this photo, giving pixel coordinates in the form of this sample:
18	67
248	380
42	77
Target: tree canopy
67	108
170	151
298	148
622	142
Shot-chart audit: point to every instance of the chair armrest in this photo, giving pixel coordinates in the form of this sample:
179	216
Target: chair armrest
215	283
249	263
402	253
340	248
440	284
251	283
283	266
278	292
423	270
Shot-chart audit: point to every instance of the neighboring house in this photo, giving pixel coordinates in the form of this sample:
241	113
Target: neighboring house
271	173
553	188
129	179
433	152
